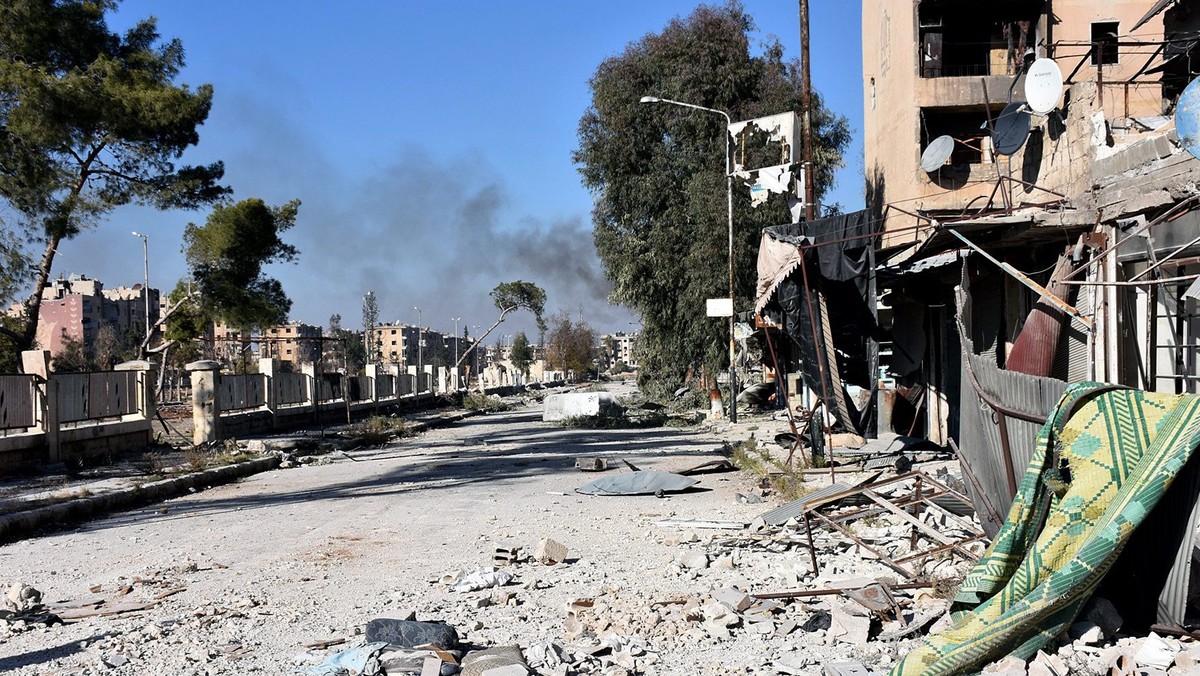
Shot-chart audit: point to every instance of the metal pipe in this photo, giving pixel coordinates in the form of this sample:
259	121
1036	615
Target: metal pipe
1166	258
1148	282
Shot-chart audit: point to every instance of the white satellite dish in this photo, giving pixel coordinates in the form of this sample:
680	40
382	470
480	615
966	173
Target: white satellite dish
936	153
1043	86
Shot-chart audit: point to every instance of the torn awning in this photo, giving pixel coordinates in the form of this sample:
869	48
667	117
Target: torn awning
827	316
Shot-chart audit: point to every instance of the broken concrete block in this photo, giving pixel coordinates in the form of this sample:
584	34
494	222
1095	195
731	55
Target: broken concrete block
1009	666
694	560
1048	665
847	627
733	597
1155	652
847	669
550	552
591	464
560	407
506	555
793	663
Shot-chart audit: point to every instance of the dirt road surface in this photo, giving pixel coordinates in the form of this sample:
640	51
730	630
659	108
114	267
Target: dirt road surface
240	578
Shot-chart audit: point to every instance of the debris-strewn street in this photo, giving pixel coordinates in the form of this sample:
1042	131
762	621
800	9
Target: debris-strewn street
476	525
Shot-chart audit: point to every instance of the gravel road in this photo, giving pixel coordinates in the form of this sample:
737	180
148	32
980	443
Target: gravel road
250	573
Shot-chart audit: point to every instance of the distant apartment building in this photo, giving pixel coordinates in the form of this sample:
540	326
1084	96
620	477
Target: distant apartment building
76	308
406	345
295	343
617	348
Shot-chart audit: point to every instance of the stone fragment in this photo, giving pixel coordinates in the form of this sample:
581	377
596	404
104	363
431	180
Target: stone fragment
550	552
21	597
846	669
733	597
847	627
1009	666
1155	652
694	560
1047	665
793	663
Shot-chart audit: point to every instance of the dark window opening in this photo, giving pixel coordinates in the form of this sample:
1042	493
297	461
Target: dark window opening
972	39
1104	43
968	128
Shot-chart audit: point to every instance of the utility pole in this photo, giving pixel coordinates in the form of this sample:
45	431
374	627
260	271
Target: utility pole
810	206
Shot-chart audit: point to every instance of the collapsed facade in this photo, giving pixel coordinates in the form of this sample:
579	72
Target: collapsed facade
1019	236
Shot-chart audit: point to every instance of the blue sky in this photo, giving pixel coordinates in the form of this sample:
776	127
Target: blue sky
430	144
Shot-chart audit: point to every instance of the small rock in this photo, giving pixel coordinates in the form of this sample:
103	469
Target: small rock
694	560
550	552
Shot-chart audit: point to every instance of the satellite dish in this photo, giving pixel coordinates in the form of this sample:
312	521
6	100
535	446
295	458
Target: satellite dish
1187	118
1011	129
1043	85
936	153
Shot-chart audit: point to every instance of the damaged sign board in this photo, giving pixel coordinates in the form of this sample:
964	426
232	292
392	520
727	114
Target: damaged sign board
766	156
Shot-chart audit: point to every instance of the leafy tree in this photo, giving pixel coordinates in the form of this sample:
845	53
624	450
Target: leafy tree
521	354
226	257
509	297
73	358
657	176
89	121
571	345
370	314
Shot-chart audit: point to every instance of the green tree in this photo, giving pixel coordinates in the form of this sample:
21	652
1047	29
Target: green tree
521	354
89	121
571	346
657	176
73	358
226	257
510	297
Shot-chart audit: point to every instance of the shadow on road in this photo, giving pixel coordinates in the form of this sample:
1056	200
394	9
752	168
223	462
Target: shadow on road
477	455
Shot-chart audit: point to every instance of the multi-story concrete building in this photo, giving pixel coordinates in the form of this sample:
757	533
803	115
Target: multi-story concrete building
75	308
617	348
295	343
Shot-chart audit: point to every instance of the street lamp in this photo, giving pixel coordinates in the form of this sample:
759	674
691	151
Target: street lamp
420	343
456	320
145	285
729	195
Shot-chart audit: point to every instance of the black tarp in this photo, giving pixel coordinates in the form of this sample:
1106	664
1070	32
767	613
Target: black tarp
837	252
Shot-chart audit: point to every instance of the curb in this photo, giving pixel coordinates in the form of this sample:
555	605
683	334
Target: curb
14	525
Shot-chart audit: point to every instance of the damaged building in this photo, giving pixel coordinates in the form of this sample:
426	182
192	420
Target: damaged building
1032	221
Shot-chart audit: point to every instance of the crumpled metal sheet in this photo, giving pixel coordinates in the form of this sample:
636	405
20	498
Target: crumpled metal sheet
647	482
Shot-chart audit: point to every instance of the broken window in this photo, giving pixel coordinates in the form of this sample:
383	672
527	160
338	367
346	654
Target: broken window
960	39
1104	43
972	144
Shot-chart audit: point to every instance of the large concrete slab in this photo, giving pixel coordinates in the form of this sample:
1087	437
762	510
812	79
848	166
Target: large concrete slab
580	404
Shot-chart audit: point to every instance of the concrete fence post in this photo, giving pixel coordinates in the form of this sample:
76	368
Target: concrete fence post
372	372
145	391
268	369
309	369
37	363
206	405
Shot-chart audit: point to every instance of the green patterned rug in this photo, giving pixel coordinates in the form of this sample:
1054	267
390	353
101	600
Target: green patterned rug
1103	460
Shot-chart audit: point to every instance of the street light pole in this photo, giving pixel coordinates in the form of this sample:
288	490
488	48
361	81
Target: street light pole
456	320
729	199
420	344
145	285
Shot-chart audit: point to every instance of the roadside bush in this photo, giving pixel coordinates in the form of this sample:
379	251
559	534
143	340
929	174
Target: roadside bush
484	402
